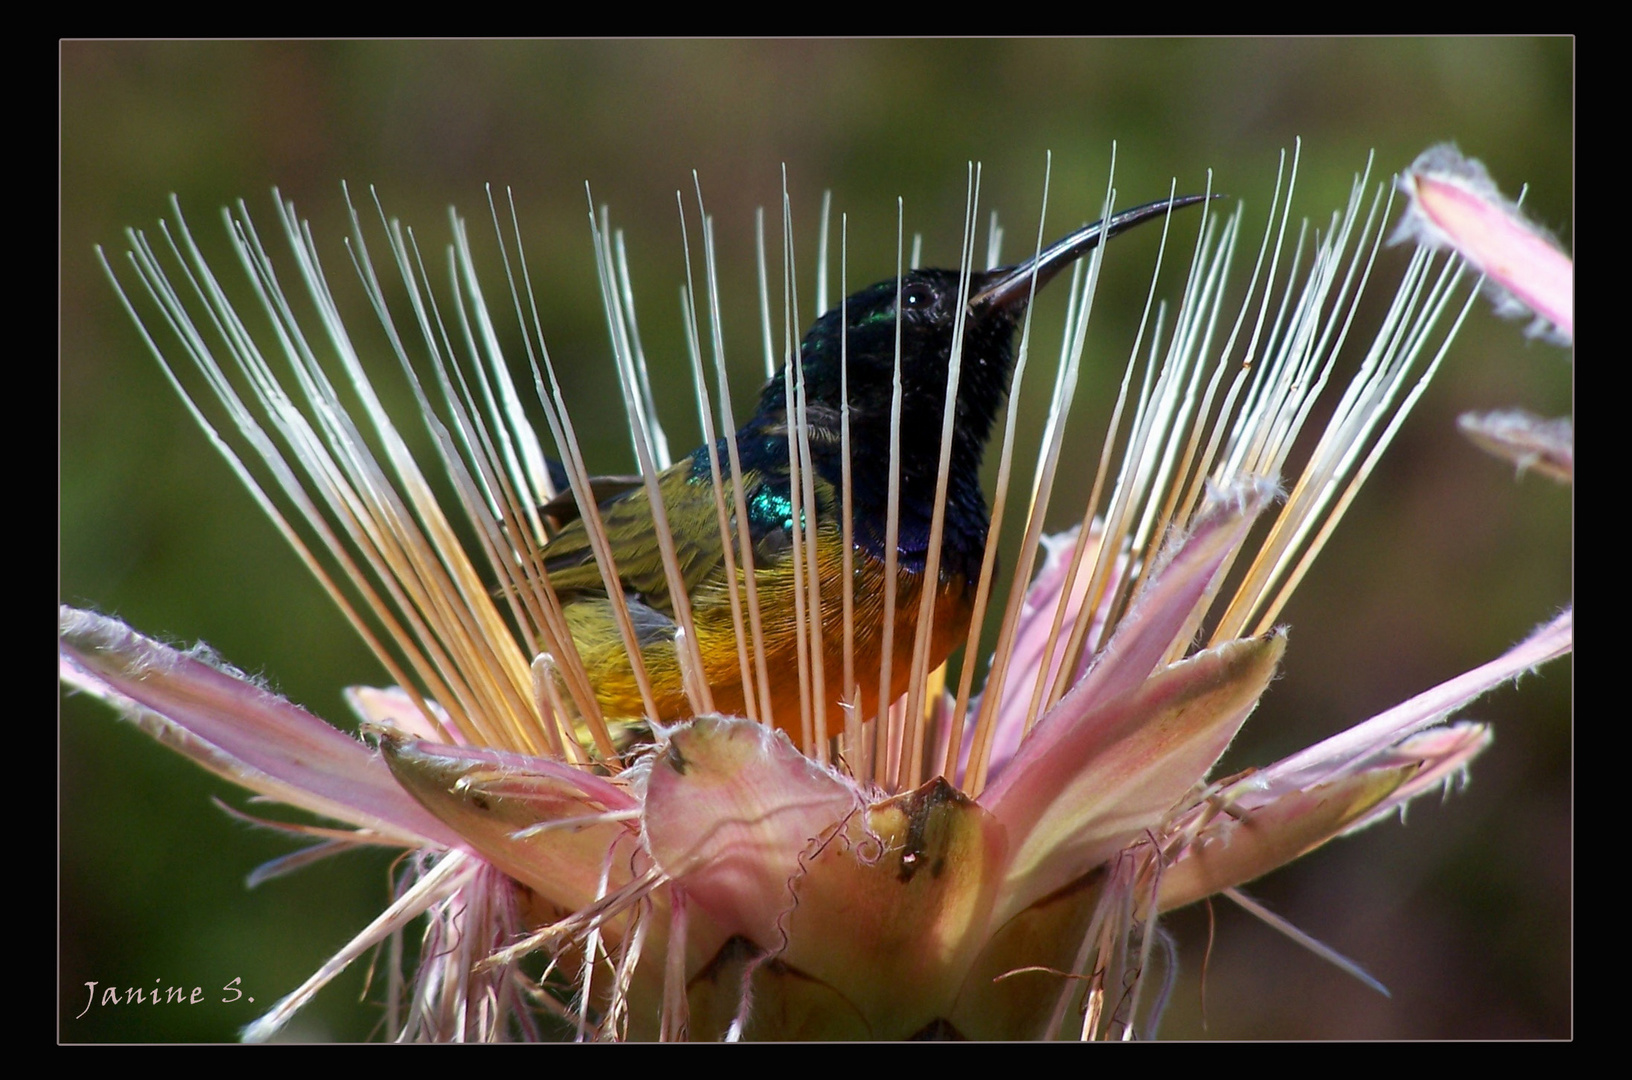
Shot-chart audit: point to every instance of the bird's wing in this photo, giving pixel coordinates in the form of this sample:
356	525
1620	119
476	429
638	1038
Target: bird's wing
693	522
603	489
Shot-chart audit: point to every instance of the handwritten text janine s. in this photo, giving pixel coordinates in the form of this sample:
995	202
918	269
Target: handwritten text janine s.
158	995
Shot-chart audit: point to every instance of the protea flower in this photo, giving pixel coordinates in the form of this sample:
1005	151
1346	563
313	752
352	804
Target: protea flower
985	865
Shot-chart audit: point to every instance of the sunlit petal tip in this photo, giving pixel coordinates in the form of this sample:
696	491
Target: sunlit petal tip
1244	498
1188	560
1531	443
1454	203
200	707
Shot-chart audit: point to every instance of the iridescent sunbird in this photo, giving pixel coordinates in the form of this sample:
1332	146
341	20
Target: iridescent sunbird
997	300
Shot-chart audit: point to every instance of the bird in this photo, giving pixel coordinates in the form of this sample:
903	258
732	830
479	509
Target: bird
925	303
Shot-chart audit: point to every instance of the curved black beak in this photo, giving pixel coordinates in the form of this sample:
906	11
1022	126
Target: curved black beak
1011	286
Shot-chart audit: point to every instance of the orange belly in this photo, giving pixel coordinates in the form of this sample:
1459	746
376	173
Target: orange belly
617	691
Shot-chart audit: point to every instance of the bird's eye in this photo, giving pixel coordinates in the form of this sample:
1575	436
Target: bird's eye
917	296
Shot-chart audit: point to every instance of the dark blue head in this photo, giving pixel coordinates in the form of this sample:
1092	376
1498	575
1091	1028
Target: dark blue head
921	309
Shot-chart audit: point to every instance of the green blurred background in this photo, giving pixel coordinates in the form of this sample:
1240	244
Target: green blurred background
1464	912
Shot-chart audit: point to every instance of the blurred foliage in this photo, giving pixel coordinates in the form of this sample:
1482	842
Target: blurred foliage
1445	560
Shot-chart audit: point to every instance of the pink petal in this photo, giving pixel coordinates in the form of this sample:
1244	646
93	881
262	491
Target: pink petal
1161	612
391	707
881	927
894	916
1349	781
238	730
1443	753
1042	602
1454	202
549	825
731	808
1528	441
1238	847
1351	749
1124	764
1253	835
